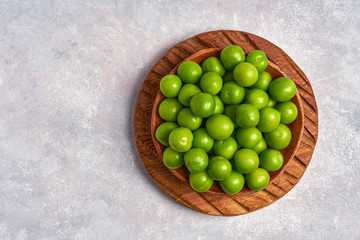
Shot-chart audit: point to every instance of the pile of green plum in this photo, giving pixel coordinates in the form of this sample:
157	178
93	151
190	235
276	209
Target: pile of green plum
226	120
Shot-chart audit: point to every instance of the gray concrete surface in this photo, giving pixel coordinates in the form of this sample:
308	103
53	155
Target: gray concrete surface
69	75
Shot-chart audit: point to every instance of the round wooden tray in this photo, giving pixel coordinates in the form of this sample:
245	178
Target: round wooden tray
209	203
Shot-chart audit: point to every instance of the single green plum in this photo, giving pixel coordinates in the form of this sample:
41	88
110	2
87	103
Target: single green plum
189	72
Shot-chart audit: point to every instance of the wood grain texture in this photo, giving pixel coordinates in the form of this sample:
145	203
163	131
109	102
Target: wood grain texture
209	203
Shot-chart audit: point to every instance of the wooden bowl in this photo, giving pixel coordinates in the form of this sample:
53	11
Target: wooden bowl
208	202
296	127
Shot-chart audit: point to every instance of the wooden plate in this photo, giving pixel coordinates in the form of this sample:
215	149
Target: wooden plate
208	202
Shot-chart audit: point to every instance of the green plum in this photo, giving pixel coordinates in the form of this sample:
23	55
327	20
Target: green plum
200	181
230	111
219	126
282	89
245	74
219	168
180	139
228	77
169	109
233	184
258	59
173	159
187	92
196	160
231	56
186	118
211	82
279	138
202	139
247	115
271	160
258	179
257	97
248	137
263	81
269	120
189	72
219	106
213	64
271	103
202	105
170	85
260	146
163	131
288	112
246	160
232	93
226	148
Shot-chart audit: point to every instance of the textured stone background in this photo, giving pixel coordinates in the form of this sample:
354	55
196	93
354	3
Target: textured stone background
69	75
